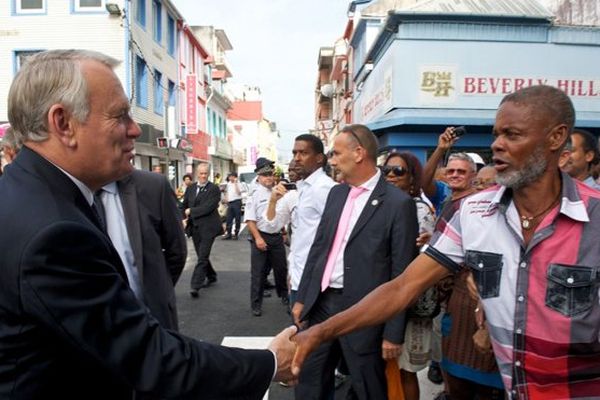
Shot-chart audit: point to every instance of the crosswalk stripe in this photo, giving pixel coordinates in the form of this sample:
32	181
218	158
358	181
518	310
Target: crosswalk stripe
248	342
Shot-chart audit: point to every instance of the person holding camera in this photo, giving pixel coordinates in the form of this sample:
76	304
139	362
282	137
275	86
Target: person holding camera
313	189
266	242
459	172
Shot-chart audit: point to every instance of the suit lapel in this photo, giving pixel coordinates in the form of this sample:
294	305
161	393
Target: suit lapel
129	201
374	202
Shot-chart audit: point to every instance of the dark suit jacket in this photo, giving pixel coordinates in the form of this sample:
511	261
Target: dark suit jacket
204	217
380	246
70	328
156	236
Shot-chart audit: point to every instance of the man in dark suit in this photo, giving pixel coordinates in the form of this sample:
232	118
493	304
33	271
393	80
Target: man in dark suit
200	204
366	237
146	230
70	326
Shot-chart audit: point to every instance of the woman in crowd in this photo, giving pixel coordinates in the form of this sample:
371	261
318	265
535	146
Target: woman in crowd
404	171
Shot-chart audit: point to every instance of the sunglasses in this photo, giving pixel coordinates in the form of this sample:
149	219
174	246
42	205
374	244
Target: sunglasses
458	171
398	171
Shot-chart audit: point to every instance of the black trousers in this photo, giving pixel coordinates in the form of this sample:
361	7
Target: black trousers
234	212
203	269
273	256
317	377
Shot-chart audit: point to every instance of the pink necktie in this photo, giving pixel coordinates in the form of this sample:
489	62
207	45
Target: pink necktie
340	233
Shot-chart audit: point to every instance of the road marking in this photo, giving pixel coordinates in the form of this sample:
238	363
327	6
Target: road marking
248	342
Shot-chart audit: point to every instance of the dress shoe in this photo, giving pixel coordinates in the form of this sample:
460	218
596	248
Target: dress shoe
194	293
235	237
226	237
256	312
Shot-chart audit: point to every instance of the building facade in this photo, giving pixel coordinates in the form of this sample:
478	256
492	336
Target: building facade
220	149
141	33
418	67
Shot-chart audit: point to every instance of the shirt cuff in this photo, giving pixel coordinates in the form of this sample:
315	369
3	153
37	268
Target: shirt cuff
274	358
441	258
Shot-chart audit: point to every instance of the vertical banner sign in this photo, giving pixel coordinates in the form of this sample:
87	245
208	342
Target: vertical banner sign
191	125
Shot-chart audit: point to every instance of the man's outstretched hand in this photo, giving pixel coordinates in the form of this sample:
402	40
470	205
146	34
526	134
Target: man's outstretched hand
306	342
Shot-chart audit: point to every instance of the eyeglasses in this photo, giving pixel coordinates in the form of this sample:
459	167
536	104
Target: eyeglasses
452	171
398	171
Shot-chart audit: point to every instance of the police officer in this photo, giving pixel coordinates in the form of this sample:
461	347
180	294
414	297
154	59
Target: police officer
266	243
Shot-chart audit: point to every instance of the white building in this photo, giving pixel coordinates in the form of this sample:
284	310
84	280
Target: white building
141	33
216	42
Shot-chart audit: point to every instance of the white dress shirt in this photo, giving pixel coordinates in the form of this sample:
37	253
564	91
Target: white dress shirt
337	277
232	191
115	226
117	231
305	219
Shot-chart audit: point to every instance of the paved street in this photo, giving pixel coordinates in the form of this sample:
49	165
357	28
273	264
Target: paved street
222	312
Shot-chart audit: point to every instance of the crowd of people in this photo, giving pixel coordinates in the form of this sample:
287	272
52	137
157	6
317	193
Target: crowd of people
456	265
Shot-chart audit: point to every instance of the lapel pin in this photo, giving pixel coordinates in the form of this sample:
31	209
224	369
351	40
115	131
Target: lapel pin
375	202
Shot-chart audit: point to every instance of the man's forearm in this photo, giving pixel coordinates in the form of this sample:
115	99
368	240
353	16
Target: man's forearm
271	210
386	301
253	230
427	180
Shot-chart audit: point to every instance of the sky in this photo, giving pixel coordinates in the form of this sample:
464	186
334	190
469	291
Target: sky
275	47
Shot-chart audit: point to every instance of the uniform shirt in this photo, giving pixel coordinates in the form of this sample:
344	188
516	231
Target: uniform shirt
337	276
256	207
541	301
304	214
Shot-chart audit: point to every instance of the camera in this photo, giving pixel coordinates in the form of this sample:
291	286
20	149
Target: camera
289	186
459	131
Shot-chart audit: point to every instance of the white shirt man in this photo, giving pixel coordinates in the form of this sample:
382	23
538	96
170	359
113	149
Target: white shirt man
305	218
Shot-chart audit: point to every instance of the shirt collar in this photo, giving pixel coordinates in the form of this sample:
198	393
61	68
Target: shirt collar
85	191
312	178
111	188
372	182
571	204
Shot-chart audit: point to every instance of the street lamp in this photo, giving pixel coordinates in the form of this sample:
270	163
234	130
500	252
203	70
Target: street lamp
113	8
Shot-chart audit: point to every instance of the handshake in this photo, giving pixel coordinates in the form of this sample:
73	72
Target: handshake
290	349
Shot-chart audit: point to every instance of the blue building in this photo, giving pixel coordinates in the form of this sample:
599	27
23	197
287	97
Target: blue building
440	63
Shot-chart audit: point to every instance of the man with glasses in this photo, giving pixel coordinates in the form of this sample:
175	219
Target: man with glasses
266	241
459	173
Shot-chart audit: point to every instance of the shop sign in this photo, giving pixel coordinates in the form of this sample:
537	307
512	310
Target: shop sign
191	123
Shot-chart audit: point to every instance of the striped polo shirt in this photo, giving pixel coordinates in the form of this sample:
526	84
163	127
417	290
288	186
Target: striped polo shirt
541	301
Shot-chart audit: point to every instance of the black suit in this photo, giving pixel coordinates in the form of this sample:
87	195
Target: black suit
156	236
380	246
70	328
204	224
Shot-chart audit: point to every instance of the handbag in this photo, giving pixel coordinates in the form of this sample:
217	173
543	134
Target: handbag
394	383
